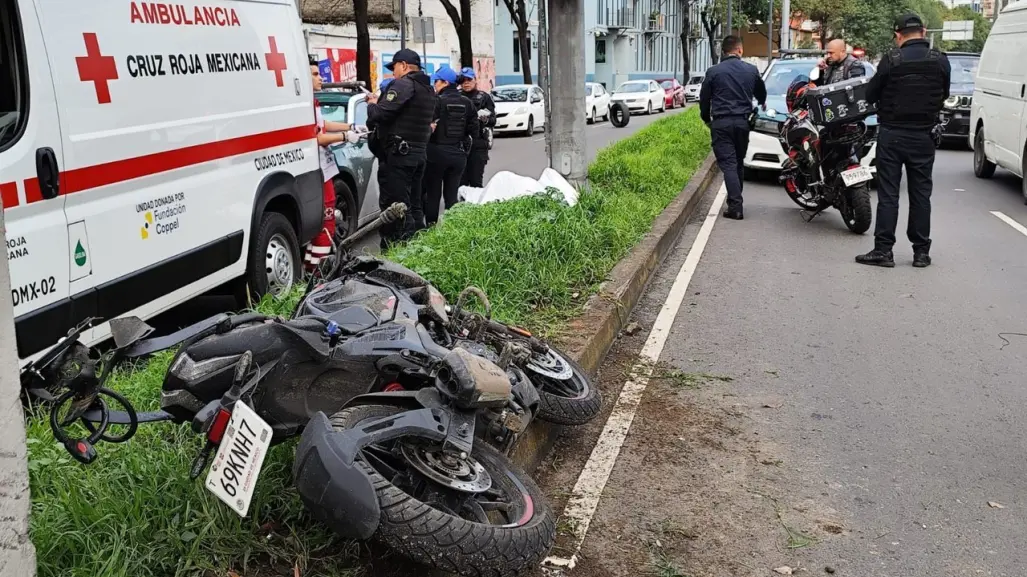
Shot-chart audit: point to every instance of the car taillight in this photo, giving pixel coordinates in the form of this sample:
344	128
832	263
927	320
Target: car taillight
219	426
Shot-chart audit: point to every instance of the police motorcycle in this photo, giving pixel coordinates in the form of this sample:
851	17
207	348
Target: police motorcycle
387	416
823	134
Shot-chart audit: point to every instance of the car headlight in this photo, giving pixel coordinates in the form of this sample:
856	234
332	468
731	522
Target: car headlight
957	101
768	126
771	113
521	110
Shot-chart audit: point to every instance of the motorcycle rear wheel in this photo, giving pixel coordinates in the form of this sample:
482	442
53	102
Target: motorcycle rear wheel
572	401
431	532
859	214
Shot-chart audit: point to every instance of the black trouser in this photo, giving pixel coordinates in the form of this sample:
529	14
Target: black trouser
913	149
474	173
442	178
730	143
400	181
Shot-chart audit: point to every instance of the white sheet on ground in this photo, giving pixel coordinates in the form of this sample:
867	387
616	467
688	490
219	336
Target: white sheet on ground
506	185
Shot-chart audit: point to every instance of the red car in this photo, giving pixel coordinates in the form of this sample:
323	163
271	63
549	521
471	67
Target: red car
674	91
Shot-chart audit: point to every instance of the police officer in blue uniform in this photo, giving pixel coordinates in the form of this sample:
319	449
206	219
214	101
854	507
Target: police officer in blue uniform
725	104
474	173
910	87
402	120
455	126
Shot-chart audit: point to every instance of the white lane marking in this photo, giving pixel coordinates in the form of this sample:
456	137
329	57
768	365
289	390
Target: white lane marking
1017	226
592	481
539	139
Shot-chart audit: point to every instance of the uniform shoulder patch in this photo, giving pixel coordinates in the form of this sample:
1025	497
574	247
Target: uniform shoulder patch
391	95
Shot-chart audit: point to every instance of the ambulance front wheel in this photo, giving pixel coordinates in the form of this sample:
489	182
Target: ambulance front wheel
275	264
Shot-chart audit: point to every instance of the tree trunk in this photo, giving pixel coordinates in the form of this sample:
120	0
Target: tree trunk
686	27
463	30
521	19
711	26
363	43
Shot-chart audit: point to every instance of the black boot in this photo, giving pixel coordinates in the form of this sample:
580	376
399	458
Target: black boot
921	260
877	258
734	214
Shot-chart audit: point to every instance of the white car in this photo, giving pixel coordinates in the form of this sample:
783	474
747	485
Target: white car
597	102
519	108
692	88
641	96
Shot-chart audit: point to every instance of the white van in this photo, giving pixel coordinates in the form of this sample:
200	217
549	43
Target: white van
997	128
150	152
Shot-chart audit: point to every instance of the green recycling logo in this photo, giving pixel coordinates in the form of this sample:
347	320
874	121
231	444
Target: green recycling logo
80	254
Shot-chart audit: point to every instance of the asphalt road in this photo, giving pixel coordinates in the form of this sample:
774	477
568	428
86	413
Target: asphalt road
819	413
519	154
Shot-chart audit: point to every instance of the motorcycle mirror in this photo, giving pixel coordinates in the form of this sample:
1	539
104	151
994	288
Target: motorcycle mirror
127	331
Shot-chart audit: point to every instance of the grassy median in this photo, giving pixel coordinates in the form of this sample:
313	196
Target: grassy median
135	513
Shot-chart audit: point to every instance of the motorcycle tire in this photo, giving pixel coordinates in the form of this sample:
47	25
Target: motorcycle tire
574	401
620	114
438	538
859	214
804	202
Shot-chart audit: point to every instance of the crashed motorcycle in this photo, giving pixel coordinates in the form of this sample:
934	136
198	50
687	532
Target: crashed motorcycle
400	399
822	169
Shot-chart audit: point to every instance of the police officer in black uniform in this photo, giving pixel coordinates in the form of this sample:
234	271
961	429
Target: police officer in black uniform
725	104
911	84
474	173
455	126
402	121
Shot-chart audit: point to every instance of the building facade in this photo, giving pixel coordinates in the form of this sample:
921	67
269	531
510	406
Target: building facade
623	40
335	44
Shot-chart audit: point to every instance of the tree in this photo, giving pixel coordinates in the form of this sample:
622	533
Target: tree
982	27
711	19
363	43
462	21
827	14
685	9
519	14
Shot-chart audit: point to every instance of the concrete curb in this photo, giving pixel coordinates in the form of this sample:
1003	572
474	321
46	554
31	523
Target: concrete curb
606	313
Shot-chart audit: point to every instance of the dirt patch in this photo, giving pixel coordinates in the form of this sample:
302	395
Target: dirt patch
696	492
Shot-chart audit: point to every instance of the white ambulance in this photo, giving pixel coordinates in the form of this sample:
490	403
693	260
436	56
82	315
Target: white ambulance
150	152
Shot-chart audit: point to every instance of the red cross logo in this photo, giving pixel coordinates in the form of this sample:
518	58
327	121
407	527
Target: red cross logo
96	69
275	61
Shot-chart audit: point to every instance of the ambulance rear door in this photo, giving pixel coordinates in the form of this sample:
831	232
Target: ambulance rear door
31	162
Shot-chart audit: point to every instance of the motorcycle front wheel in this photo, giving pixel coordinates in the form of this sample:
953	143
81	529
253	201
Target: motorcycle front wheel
472	515
566	395
802	195
858	214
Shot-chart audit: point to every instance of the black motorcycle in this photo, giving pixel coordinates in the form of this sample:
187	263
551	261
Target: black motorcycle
822	169
424	402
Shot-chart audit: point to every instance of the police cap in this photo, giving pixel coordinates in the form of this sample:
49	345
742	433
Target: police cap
405	55
445	74
467	74
907	22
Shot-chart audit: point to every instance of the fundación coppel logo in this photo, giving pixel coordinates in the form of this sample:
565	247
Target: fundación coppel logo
161	215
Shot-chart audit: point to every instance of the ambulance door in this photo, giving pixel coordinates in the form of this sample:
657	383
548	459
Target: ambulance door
31	162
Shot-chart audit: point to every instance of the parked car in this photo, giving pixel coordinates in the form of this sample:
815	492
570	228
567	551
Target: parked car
766	152
356	186
641	96
692	88
597	102
674	91
519	108
955	117
127	196
997	132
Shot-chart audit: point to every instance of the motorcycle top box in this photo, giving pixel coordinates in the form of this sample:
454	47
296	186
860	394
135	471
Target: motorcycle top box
843	102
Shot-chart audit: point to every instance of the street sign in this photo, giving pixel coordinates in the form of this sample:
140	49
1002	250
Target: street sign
958	30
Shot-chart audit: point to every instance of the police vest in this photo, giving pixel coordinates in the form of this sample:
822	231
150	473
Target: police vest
413	123
914	93
478	99
454	109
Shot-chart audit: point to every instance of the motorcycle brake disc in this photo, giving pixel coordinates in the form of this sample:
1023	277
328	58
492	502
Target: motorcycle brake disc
551	365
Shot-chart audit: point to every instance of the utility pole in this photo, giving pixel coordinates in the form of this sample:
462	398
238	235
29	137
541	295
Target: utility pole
17	555
786	24
566	130
770	34
543	76
403	24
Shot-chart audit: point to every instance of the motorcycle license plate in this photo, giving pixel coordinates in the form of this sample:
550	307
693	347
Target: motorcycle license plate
857	175
233	476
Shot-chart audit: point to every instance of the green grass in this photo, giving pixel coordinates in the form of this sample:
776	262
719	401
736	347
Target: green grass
135	513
